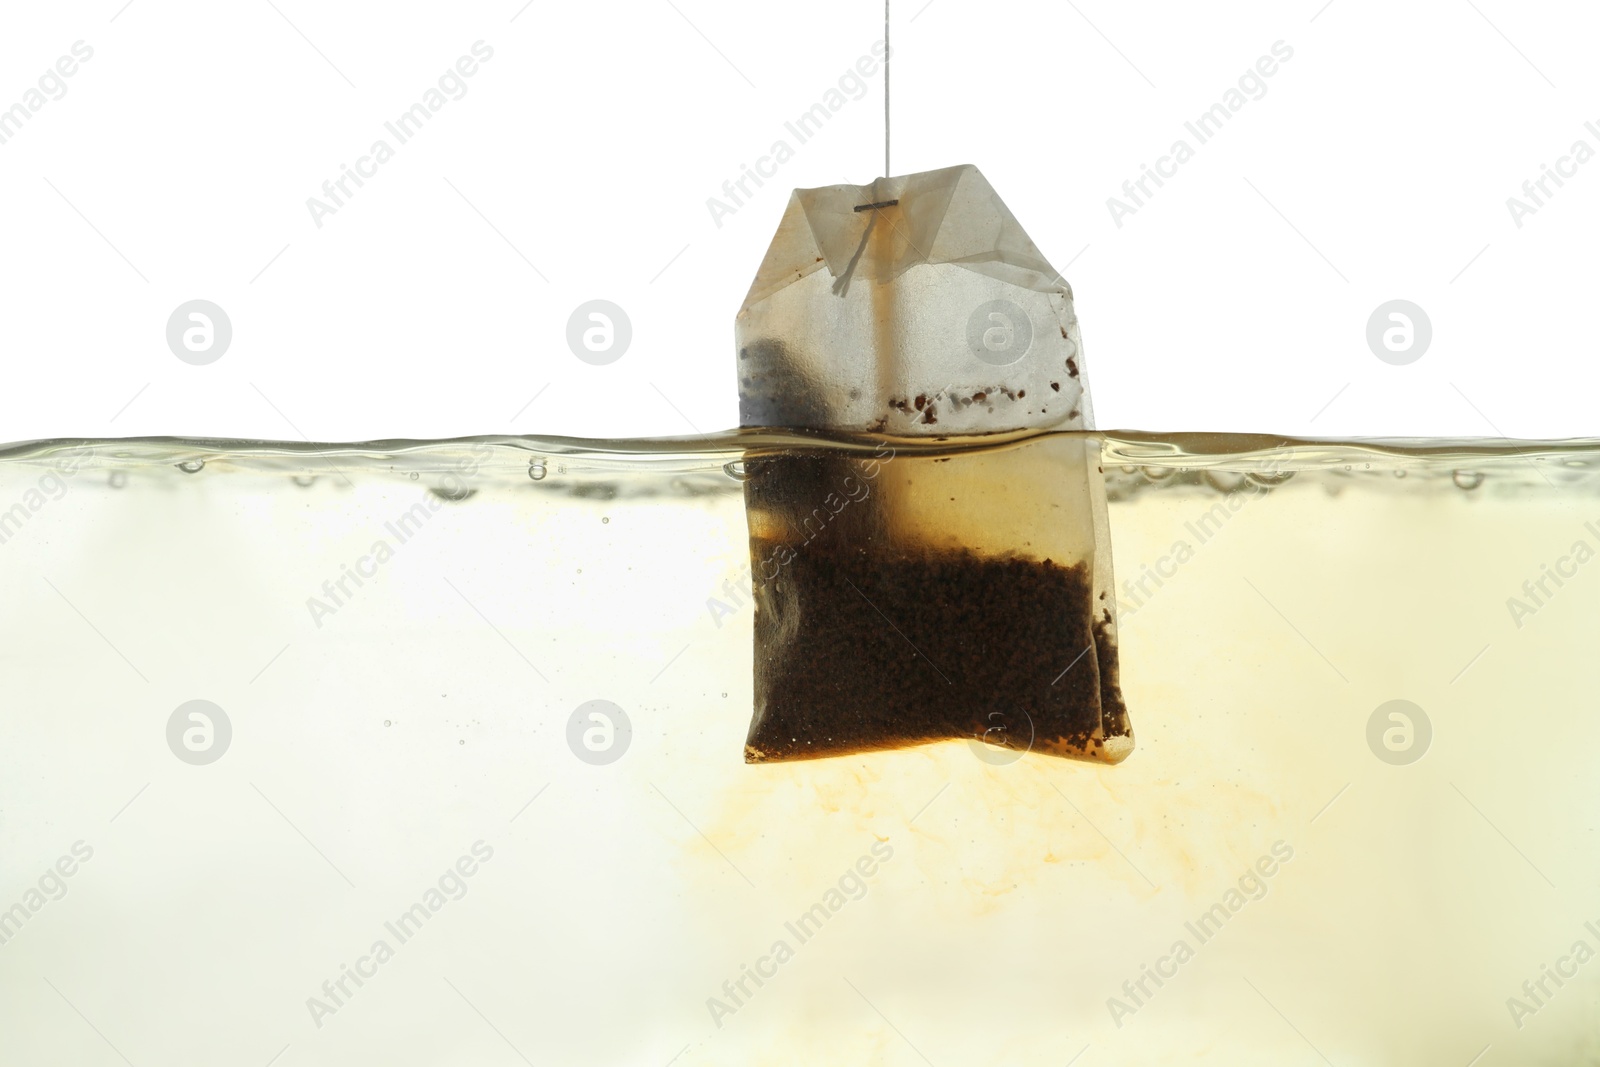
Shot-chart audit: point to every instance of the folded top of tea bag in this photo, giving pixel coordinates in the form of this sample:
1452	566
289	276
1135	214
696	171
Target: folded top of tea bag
916	305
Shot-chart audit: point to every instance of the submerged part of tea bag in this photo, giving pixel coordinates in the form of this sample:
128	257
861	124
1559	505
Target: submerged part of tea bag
908	593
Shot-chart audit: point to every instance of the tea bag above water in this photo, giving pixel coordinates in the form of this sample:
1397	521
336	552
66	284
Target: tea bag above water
944	573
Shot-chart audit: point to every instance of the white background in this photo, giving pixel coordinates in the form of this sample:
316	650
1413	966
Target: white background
578	165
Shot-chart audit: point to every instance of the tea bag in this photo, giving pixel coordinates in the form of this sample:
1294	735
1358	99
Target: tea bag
943	571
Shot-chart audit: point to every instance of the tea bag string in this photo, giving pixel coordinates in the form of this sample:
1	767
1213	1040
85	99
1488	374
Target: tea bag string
888	53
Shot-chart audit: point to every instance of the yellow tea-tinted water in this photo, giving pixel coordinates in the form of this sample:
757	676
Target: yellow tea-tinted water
465	782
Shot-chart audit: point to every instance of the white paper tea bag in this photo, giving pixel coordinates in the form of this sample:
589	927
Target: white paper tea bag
949	575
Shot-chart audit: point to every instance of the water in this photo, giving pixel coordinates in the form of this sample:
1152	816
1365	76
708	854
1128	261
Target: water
468	781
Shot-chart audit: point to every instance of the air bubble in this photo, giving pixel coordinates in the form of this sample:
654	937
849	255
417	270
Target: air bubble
1158	474
536	470
1468	479
387	722
305	481
118	479
1269	478
191	466
735	470
605	518
454	494
414	476
1226	481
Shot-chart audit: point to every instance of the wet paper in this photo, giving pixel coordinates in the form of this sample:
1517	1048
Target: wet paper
932	577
